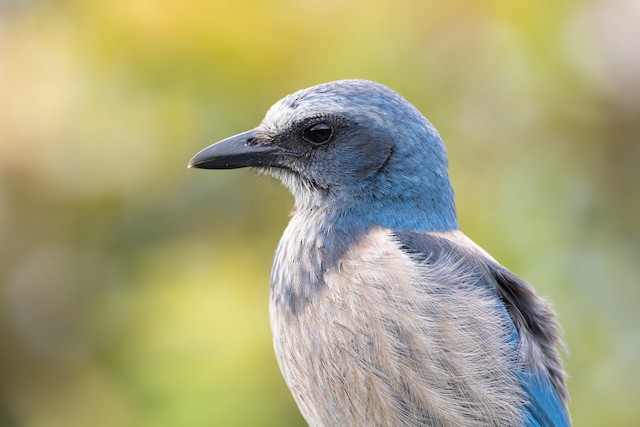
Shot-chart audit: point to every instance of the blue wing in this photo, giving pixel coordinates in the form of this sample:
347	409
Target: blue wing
545	406
532	320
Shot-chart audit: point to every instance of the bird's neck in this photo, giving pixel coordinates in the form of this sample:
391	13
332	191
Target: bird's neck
423	210
403	214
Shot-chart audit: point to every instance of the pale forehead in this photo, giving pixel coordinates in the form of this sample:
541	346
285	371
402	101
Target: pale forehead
291	110
310	103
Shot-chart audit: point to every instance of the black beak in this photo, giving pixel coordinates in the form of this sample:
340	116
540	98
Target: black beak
238	151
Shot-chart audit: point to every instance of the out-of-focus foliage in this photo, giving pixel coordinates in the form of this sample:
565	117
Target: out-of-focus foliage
134	292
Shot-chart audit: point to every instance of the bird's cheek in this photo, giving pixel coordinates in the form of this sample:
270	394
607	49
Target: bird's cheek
374	157
296	162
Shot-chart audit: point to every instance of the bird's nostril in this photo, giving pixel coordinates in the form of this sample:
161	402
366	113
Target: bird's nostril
250	140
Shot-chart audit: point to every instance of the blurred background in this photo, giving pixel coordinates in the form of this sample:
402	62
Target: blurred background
134	292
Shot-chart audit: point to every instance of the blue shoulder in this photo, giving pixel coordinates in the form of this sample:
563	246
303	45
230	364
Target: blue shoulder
545	407
542	381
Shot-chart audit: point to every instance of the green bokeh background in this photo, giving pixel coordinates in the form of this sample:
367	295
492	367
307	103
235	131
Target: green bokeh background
134	292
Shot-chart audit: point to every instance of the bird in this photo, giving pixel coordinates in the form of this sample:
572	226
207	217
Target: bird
383	312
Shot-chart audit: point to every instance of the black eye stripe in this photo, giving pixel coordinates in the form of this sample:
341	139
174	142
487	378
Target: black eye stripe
318	134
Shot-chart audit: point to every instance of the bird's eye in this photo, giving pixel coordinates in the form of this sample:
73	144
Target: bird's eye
318	134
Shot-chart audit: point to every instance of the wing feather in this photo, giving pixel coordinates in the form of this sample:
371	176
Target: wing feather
535	329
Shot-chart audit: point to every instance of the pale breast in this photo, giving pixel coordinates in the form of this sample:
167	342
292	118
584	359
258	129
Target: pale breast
385	341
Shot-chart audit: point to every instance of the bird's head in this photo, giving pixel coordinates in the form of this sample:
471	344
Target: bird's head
351	145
